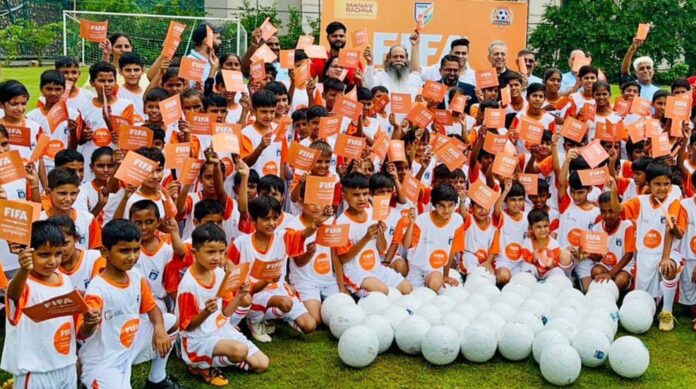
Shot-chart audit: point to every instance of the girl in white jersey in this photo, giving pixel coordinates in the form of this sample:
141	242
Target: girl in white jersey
79	265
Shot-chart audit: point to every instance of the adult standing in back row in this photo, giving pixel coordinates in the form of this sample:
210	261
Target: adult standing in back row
644	68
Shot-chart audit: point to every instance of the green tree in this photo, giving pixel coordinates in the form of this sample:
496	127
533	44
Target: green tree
253	18
27	37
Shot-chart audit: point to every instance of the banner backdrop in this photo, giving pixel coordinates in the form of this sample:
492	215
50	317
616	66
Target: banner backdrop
391	22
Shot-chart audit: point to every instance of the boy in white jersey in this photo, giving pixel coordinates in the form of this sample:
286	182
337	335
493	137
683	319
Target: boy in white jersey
102	195
24	132
39	354
433	239
687	280
115	330
259	147
78	98
511	225
131	68
157	251
362	268
204	307
542	254
267	250
79	265
658	266
479	233
388	184
273	186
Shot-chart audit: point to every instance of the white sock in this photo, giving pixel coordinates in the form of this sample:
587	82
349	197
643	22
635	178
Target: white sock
255	316
239	314
274	313
669	290
158	369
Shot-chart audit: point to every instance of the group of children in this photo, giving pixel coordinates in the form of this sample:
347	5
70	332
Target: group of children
154	263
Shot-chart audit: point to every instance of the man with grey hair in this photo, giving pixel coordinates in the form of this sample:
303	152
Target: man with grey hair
644	69
497	56
399	75
569	79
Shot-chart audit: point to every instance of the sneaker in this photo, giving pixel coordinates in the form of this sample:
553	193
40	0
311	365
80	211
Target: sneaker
666	321
167	383
270	326
212	377
258	331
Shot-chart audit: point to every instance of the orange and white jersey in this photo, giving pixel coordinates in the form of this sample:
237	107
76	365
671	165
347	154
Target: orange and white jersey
165	204
370	130
509	235
427	178
621	240
368	258
269	160
38	347
433	243
579	101
548	120
611	117
334	158
510	109
687	244
121	307
690	167
134	98
88	228
191	298
319	269
234	114
477	241
82	99
151	266
60	136
19	132
573	221
547	257
396	215
651	223
89	197
89	265
230	218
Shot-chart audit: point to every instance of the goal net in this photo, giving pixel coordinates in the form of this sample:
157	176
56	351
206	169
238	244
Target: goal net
147	33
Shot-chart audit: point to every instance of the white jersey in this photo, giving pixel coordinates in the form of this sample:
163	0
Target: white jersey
165	204
573	221
89	265
319	270
477	241
268	161
191	299
87	228
230	220
60	136
134	98
510	235
620	241
434	243
368	258
651	227
88	198
20	131
82	99
151	266
687	244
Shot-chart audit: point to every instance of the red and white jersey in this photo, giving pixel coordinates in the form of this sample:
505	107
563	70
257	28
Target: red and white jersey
134	98
88	228
121	306
230	218
319	269
368	258
191	298
60	136
89	197
547	257
165	204
19	131
573	221
269	160
507	242
621	240
89	264
38	347
687	244
433	244
151	266
477	241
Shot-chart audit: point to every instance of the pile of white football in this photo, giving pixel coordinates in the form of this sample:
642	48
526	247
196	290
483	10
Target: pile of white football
553	322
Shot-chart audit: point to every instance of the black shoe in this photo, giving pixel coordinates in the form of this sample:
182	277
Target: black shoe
167	383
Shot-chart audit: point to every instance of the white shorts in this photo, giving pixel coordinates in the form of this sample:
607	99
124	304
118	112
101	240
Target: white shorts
514	267
354	276
310	291
260	302
548	273
63	378
687	289
647	272
583	268
468	262
416	275
628	268
198	352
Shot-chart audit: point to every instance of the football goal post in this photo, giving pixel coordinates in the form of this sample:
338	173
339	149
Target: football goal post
147	33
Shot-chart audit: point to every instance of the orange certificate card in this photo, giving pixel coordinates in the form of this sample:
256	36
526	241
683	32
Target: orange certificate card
227	128
40	147
56	115
677	108
315	51
442	117
381	207
209	37
234	80
287	59
381	145
349	147
521	65
675	127
234	279
636	130
530	183
267	29
190	170
349	58
135	169
192	69
133	138
94	31
333	235
451	156
348	107
643	30
319	190
69	304
304	41
175	154
494	143
504	165
588	112
531	131
652	127
329	126
411	187
660	145
200	123
434	91
400	103
458	103
505	96
381	103
16	218
420	116
267	271
640	106
302	157
169	46
397	152
482	195
359	38
264	54
574	129
594	153
494	118
594	242
622	106
11	167
486	79
257	70
171	110
19	136
594	177
226	143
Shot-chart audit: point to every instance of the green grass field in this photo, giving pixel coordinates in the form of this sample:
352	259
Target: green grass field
30	78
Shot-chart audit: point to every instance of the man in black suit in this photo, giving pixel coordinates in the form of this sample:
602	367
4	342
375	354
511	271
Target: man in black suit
449	71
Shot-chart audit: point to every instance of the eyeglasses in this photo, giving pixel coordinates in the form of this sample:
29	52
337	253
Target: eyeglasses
450	70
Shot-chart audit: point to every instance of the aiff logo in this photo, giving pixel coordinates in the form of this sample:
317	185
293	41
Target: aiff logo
423	12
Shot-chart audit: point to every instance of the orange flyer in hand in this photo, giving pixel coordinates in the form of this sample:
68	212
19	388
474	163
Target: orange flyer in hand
420	116
530	183
349	58
504	165
171	110
411	187
192	69
267	271
302	157
397	152
675	127
622	106
304	41
451	156
574	129
234	80
442	117
209	37
677	108
227	128
505	96
19	136
380	147
267	29
135	169
379	104
486	79
94	31
16	218
282	129
190	170
522	65
636	130
643	30
458	103
594	177
381	207
594	153
588	112
316	51
434	91
200	123
234	279
69	304
349	147
594	242
264	54
56	115
133	138
580	61
359	38
531	131
660	145
257	70
494	143
329	126
494	118
287	59
173	39
609	132
225	143
652	127
40	147
482	195
348	107
175	154
640	106
11	167
333	235
400	103
319	190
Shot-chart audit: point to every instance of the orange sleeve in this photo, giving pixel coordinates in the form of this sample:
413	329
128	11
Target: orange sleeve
174	270
630	209
245	224
563	202
246	146
188	309
630	239
99	266
400	230
679	213
467	221
95	234
495	246
294	242
546	166
344	249
13	316
129	112
526	254
3	279
458	242
555	255
147	302
622	184
233	254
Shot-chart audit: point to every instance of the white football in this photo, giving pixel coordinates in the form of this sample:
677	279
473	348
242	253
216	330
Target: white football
479	301
478	343
566	313
601	298
601	324
643	296
482	272
491	319
536	307
635	316
455	321
394	294
491	292
629	357
503	309
409	334
469	311
344	317
593	347
425	294
383	328
515	341
608	286
472	283
374	303
430	313
545	339
331	303
549	288
529	319
524	278
515	300
358	346
560	281
444	303
567	327
458	293
560	364
440	345
612	317
572	298
516	289
395	314
409	301
549	301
